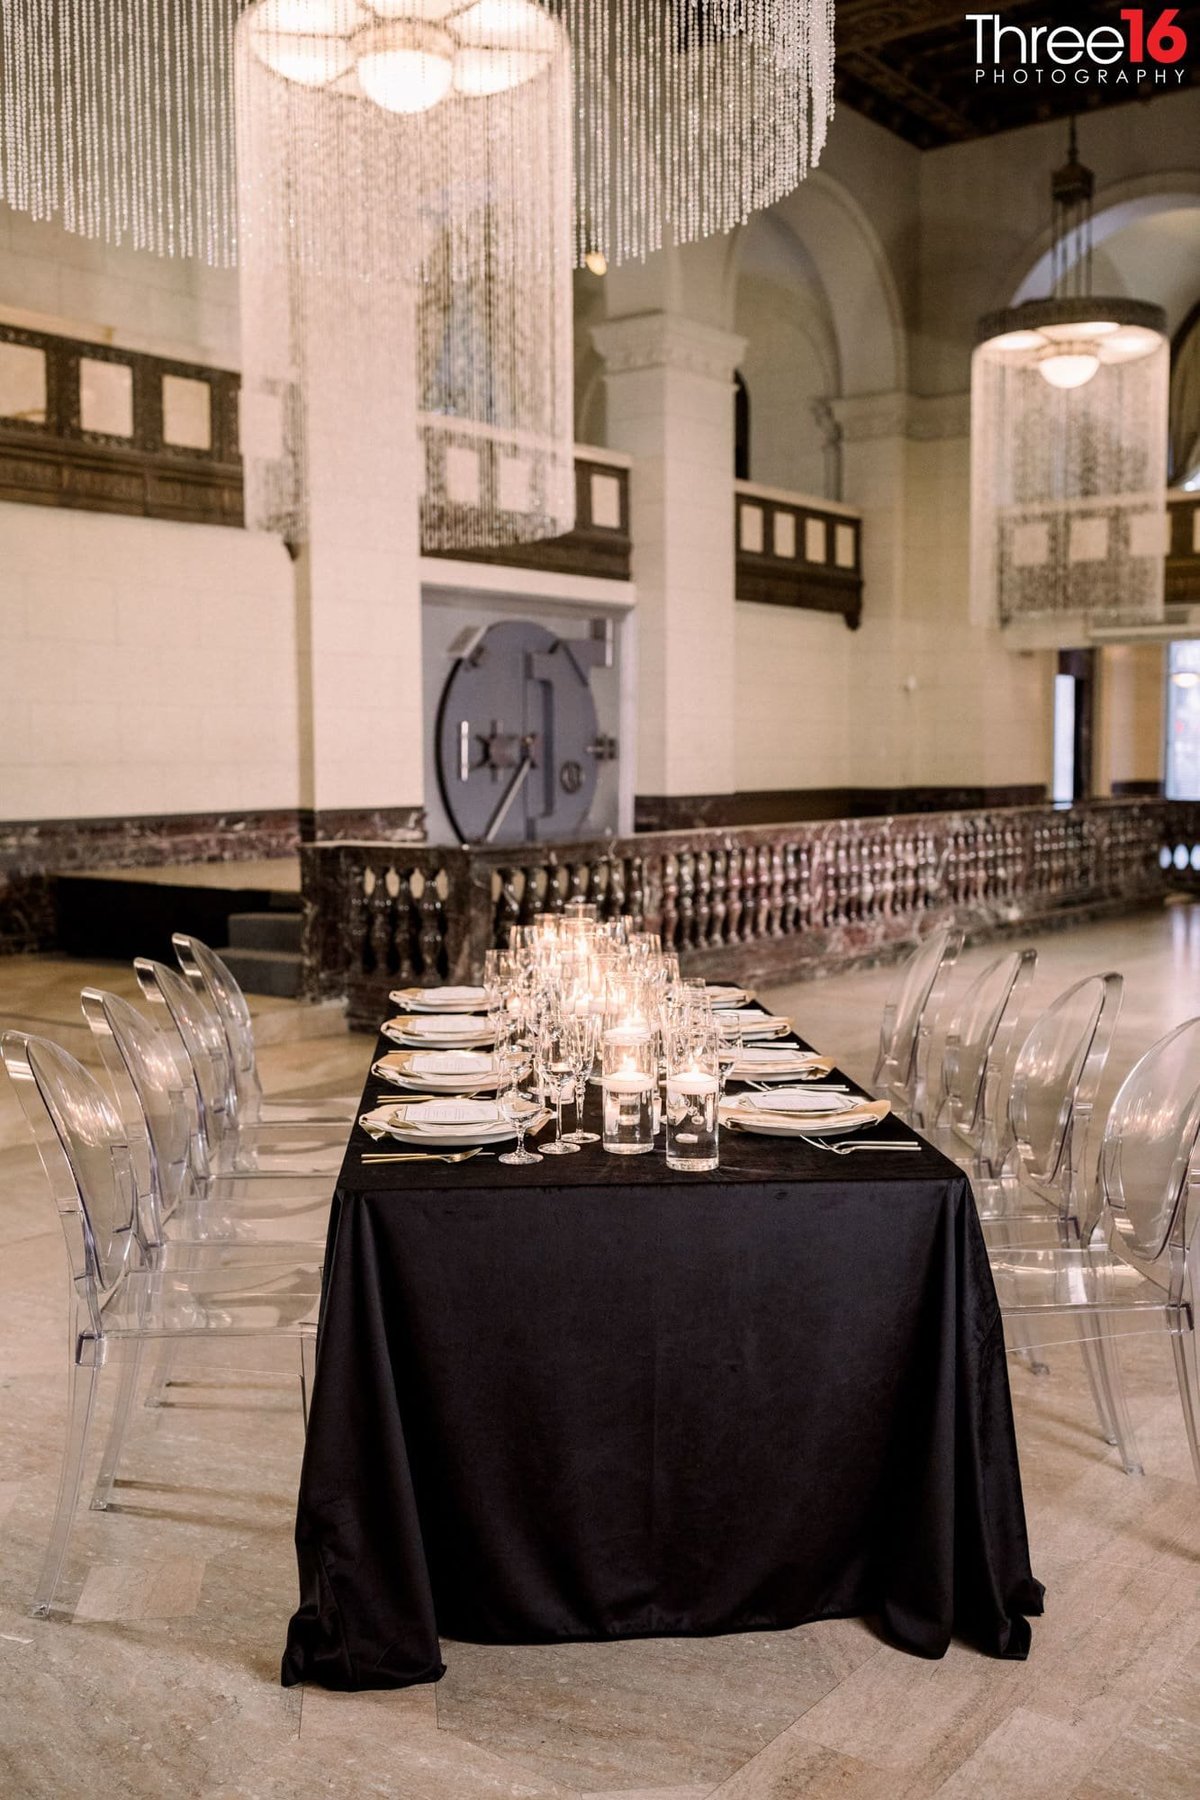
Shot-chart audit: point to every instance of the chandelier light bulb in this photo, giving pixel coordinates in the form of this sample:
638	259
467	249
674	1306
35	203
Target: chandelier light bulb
305	41
596	262
404	67
1071	366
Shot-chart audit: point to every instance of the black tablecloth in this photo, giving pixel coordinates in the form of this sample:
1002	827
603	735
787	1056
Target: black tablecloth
593	1398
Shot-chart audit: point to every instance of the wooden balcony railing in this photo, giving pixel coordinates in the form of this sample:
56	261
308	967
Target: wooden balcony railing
764	902
1183	549
794	551
86	425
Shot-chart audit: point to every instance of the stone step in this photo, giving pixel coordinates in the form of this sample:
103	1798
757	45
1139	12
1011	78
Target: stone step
276	930
265	971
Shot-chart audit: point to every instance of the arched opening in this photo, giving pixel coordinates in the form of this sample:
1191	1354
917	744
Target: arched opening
741	428
790	363
1184	453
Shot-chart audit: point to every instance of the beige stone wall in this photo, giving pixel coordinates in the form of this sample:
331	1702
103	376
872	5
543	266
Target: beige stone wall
1130	722
146	667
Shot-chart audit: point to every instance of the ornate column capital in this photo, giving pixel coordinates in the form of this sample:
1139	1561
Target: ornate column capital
925	418
865	416
660	340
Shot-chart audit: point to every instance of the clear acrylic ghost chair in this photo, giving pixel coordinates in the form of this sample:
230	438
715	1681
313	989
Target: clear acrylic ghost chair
186	1209
119	1300
1046	1185
156	1101
902	1067
212	977
1134	1267
971	1114
1045	1176
232	1146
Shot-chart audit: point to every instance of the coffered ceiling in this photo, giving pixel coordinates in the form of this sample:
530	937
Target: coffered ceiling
910	65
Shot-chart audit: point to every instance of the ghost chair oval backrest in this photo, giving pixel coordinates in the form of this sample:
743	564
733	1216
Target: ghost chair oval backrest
212	977
902	1067
84	1150
85	1154
205	1047
156	1095
980	1050
1055	1080
1150	1155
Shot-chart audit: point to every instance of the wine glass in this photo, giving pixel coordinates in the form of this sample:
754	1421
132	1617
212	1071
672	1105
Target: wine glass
516	1105
556	1073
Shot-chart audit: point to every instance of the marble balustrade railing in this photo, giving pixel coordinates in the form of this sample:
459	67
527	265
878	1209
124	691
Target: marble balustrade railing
768	901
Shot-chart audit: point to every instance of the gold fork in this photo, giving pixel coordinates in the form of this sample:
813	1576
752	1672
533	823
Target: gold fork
398	1156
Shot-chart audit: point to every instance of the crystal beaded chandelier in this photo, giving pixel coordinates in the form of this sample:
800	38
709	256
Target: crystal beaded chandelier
1069	403
117	115
405	248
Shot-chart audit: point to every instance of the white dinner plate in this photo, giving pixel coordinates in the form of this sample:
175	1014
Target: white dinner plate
439	999
720	996
440	1124
444	1031
438	1071
831	1123
735	1022
777	1062
804	1100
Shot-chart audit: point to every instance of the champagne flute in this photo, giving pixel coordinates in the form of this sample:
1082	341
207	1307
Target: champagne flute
556	1072
582	1034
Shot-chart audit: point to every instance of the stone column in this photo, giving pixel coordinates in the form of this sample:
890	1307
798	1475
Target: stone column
359	627
670	406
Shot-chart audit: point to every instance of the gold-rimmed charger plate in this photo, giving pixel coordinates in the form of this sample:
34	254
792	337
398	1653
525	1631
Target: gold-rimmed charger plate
439	999
439	1031
438	1071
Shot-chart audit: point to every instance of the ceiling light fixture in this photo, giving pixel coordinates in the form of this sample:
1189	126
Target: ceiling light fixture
1068	441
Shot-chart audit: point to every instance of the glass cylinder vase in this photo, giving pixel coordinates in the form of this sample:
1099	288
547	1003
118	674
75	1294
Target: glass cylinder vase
628	1084
693	1090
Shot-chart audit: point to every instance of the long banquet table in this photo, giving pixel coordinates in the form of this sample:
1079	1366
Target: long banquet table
593	1399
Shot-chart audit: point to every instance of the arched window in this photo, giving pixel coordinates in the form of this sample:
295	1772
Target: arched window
741	429
1185	404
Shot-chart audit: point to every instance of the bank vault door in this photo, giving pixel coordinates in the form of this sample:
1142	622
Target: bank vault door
518	740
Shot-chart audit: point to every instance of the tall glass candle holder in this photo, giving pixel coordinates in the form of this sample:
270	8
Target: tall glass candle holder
693	1090
628	1084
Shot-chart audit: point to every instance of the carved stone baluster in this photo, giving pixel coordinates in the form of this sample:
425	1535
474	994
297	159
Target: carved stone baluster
380	928
840	881
508	907
774	854
531	893
635	903
553	901
670	901
886	900
718	912
806	891
702	915
392	958
432	937
733	893
615	897
789	907
749	896
687	900
868	864
358	924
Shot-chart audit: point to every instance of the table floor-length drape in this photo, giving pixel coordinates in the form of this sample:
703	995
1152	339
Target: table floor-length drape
594	1399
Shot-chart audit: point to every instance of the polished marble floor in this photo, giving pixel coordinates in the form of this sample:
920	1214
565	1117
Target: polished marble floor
160	1677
